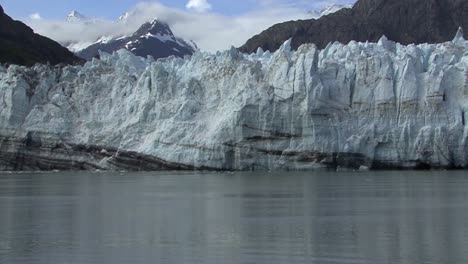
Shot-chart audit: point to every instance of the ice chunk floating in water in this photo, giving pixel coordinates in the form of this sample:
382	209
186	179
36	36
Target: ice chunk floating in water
358	105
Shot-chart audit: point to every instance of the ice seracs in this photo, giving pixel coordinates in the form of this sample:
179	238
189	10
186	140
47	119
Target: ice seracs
459	37
360	105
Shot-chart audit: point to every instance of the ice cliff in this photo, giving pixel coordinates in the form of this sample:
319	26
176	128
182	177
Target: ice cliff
380	105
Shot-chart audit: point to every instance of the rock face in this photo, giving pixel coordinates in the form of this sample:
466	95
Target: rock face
403	21
376	105
20	45
151	39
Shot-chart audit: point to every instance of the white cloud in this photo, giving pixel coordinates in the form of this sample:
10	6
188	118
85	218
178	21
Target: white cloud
210	31
35	16
198	5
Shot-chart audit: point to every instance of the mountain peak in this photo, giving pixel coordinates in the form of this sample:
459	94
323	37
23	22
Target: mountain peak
1	10
125	16
155	27
156	21
75	16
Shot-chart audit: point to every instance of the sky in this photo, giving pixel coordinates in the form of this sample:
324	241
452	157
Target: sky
212	24
110	9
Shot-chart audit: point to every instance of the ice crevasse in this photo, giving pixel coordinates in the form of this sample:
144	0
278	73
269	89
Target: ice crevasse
376	105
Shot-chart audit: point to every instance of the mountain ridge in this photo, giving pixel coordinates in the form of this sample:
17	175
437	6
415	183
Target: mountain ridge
20	45
406	22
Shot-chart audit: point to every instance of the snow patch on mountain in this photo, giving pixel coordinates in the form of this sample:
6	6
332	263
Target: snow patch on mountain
328	10
333	9
78	46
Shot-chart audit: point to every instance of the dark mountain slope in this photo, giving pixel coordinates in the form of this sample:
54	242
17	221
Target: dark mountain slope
20	45
404	21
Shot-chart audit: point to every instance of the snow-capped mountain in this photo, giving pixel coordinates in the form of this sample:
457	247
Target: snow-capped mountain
76	17
124	16
153	38
377	105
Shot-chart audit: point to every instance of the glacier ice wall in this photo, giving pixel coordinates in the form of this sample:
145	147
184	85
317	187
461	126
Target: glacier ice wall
380	105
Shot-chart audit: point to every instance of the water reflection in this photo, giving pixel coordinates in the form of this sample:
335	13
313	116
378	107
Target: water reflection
322	217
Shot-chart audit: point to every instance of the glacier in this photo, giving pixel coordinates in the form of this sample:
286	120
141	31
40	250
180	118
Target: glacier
360	105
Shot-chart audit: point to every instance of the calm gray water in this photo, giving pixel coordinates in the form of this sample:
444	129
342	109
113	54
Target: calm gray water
261	218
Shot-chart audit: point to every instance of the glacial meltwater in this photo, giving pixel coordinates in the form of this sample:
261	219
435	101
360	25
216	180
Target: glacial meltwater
258	217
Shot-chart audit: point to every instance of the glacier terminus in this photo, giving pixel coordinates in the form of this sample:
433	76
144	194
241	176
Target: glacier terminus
360	105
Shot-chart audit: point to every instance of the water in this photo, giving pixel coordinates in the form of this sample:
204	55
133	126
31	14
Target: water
313	217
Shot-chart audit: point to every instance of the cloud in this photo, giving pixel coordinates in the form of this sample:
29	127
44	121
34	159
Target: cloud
198	5
210	31
35	16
